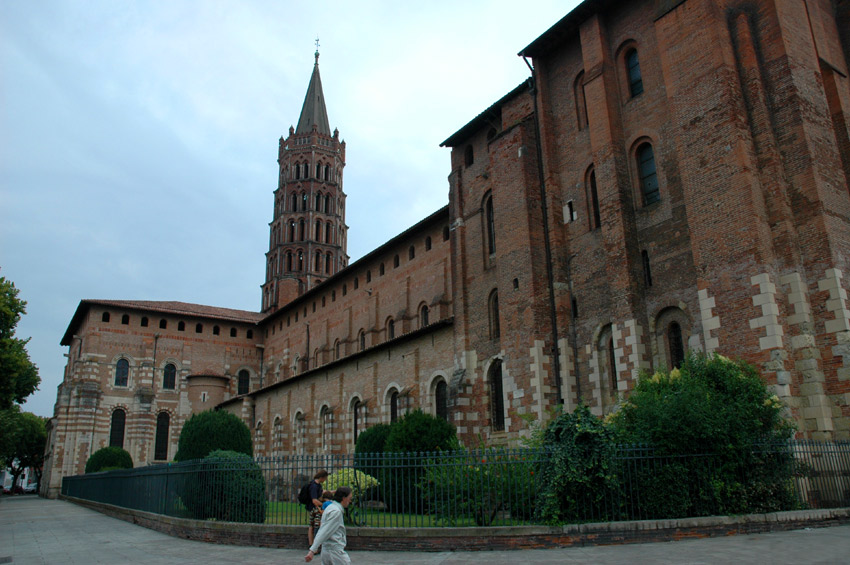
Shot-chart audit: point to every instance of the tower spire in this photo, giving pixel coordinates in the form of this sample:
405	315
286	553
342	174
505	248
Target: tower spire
313	112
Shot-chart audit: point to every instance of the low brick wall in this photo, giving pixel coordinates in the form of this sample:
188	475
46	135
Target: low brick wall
478	539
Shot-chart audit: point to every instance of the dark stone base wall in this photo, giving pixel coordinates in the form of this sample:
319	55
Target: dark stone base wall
481	539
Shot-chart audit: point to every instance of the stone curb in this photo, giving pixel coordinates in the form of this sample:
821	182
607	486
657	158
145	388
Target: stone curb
481	538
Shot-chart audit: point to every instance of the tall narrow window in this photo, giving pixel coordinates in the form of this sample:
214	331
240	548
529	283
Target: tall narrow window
244	382
294	198
355	409
647	274
594	202
297	174
318	207
394	406
391	329
423	316
125	319
181	326
581	102
122	372
301	229
396	261
441	400
160	450
326	420
362	339
199	328
612	366
116	428
428	243
468	157
633	73
304	194
318	230
318	268
493	304
497	402
328	263
677	347
491	225
647	173
411	252
169	377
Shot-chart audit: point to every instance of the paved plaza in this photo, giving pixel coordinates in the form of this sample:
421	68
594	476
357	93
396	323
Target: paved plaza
36	530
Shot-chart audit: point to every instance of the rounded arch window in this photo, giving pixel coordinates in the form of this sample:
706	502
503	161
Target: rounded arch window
122	372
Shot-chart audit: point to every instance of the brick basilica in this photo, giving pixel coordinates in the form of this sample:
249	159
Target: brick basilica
674	176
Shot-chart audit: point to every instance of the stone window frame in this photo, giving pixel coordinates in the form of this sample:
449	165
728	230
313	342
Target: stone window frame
113	432
162	439
166	364
117	364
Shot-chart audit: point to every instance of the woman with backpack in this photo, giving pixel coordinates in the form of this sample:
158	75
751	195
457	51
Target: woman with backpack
314	502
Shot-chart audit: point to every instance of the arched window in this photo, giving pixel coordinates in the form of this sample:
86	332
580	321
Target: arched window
396	261
125	319
318	194
288	261
319	230
163	324
497	402
301	229
328	263
144	321
318	176
300	260
423	316
181	326
116	428
393	406
356	417
368	277
244	382
232	332
676	344
122	372
199	328
493	311
277	437
468	157
581	102
160	450
633	73
318	264
327	176
647	174
491	225
390	329
304	194
441	400
300	432
381	270
607	357
326	422
361	338
336	349
169	377
328	233
596	219
297	173
105	317
294	198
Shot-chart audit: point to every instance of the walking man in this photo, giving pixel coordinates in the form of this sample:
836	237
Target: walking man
331	534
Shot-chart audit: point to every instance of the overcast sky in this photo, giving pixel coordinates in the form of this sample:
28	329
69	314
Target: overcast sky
138	140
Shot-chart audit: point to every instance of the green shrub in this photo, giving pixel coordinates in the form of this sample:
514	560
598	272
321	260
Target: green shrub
579	483
213	430
399	475
109	458
226	486
373	439
722	411
357	480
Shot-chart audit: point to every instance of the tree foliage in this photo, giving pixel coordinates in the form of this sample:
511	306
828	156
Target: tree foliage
18	374
23	442
107	458
213	430
373	439
226	486
420	432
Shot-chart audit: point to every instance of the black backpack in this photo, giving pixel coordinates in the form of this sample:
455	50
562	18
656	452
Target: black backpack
304	496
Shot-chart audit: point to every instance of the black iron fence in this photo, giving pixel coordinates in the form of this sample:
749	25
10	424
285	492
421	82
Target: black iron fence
483	487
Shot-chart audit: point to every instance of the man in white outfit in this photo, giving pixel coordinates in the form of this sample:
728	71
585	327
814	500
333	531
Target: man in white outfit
331	534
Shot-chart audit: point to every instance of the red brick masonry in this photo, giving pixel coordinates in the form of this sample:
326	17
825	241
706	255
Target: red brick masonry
477	539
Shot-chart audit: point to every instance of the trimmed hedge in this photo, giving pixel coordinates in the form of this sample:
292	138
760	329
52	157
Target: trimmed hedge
109	458
213	430
228	486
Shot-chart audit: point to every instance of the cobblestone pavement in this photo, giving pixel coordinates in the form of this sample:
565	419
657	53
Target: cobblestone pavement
36	530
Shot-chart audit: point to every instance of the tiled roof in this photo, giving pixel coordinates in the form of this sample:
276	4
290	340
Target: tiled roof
165	307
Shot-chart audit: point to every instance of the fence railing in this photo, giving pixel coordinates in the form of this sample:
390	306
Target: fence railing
484	487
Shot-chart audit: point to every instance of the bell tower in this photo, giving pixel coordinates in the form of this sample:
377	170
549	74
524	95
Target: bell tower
307	234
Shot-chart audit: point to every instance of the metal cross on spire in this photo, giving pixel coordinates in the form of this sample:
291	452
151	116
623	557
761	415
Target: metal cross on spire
317	49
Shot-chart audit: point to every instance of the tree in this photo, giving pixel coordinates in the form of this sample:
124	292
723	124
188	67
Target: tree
212	430
18	374
30	437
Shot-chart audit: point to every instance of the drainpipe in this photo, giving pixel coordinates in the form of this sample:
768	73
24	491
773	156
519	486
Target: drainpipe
532	84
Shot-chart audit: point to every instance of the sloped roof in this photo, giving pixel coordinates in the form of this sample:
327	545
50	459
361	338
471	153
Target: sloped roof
313	111
164	307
